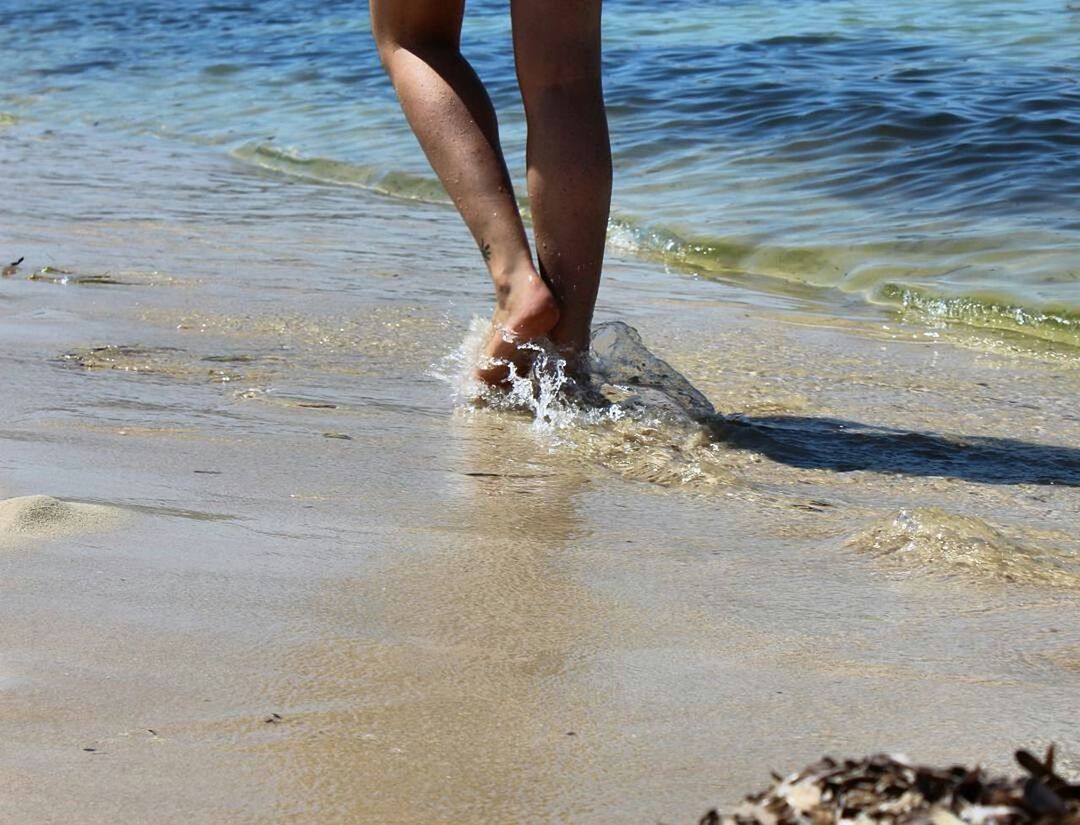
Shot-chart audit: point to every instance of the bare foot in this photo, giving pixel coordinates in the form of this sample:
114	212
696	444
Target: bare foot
526	310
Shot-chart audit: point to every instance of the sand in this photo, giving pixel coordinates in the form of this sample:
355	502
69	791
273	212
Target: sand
41	517
475	615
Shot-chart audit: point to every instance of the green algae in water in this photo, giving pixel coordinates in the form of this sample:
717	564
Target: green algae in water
1061	326
327	170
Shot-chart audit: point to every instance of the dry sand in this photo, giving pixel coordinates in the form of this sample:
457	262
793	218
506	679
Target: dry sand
41	517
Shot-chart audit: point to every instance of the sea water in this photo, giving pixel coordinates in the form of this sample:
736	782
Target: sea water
920	155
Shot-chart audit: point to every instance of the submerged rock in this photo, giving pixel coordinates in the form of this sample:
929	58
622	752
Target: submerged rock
889	789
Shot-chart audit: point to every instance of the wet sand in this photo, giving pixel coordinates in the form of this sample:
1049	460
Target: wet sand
328	592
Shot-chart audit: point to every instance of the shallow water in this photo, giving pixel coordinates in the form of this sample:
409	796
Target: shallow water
765	532
920	155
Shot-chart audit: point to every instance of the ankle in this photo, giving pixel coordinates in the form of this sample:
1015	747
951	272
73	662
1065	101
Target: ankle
513	280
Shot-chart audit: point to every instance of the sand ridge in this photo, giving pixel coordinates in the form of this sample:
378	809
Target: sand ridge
42	517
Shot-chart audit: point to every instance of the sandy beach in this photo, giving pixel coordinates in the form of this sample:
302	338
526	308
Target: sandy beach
284	574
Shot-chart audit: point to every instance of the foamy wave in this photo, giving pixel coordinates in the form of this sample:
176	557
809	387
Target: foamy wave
1059	324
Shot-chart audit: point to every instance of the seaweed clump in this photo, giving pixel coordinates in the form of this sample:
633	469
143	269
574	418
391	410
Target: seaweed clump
889	789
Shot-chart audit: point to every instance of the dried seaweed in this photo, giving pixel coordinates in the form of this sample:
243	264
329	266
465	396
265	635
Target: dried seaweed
890	789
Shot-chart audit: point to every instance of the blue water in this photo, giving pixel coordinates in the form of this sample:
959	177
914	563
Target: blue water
921	154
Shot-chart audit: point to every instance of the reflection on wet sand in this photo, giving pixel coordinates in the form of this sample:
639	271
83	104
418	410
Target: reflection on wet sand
446	670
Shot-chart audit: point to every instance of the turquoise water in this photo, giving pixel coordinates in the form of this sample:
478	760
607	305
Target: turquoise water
924	155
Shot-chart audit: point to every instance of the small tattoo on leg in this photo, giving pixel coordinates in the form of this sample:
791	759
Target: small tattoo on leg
485	250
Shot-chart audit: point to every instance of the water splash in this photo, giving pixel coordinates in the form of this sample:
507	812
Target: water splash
619	379
545	391
623	408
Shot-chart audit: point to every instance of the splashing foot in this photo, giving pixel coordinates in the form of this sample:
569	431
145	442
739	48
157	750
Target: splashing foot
525	311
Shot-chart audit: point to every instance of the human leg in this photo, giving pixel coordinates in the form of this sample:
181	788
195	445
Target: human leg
452	116
557	50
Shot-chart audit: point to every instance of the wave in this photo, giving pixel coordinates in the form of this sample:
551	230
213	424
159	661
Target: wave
327	170
1060	325
898	274
869	271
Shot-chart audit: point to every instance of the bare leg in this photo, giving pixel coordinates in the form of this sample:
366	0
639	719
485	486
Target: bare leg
557	49
452	116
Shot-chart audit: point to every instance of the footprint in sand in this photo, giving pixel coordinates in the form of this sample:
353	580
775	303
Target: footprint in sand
36	517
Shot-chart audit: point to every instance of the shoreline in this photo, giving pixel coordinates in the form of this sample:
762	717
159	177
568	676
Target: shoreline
433	605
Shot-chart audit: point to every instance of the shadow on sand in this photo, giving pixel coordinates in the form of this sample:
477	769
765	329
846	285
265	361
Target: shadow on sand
826	443
844	446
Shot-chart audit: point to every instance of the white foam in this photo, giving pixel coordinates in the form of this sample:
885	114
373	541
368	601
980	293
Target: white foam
541	392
